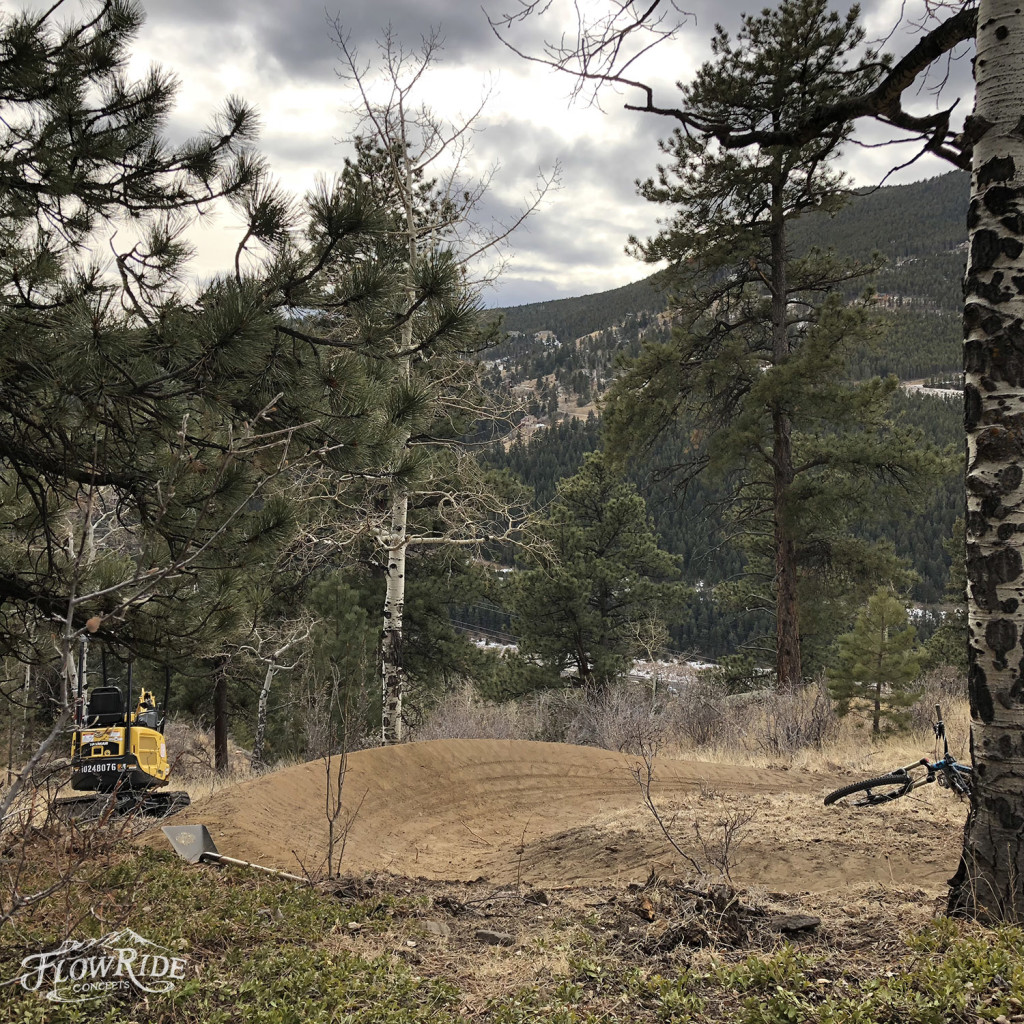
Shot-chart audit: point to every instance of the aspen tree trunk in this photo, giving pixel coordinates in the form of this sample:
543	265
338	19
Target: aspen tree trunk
392	666
256	761
990	881
26	697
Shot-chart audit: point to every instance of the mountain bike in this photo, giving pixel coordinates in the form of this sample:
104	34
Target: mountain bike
948	772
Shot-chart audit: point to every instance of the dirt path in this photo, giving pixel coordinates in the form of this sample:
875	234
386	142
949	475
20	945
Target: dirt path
550	814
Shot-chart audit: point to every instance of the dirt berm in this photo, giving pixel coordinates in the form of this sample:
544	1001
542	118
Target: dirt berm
548	814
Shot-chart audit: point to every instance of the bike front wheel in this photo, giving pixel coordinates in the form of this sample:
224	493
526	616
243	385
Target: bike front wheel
872	791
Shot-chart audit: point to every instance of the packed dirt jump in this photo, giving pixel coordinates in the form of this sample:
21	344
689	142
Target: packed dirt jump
548	814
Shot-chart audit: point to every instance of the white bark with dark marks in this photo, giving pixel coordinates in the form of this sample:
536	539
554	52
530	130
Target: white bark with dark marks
392	664
257	761
990	882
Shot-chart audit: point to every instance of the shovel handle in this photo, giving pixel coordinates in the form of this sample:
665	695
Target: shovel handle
220	857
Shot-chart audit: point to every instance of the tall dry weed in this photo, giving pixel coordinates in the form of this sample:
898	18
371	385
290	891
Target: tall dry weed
622	718
704	722
700	713
463	714
797	720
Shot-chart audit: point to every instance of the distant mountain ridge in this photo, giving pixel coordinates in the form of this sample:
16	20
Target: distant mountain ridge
920	226
900	221
584	314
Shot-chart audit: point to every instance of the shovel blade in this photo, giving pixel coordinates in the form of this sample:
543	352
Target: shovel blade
193	842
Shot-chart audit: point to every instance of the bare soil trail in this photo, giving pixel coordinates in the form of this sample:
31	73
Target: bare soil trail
547	814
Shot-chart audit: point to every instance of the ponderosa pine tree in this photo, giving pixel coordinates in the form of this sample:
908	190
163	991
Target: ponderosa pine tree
878	661
152	440
756	368
584	596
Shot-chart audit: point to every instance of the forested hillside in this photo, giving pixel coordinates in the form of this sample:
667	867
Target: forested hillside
901	221
692	521
918	229
575	317
560	357
911	344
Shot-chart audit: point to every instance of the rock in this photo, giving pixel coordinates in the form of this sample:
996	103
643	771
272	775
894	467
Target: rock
792	923
449	903
438	928
645	909
492	938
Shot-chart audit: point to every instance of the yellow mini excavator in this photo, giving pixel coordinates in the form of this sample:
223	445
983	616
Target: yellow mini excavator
119	758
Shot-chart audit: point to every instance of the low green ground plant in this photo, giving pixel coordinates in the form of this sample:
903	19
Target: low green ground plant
267	951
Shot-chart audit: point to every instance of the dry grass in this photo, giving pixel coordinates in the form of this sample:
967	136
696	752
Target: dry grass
702	722
463	715
191	754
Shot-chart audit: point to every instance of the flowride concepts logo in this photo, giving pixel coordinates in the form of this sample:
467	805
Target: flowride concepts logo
77	972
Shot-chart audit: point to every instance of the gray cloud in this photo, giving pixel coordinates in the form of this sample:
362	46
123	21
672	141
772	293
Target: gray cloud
296	39
584	229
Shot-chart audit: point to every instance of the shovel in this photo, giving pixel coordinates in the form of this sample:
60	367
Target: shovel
196	845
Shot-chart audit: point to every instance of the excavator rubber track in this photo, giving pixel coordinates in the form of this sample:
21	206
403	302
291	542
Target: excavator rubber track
96	806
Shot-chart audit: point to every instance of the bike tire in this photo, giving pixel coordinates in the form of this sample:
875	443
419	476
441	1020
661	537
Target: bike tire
889	787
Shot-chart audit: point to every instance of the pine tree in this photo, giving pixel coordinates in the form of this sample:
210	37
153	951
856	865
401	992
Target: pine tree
756	369
598	577
152	440
878	661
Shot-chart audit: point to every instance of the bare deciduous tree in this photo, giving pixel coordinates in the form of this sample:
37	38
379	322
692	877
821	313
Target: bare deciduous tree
419	162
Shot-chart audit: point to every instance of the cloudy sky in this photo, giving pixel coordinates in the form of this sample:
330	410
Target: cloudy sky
279	55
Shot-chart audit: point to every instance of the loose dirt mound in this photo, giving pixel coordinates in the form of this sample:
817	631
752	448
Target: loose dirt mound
550	814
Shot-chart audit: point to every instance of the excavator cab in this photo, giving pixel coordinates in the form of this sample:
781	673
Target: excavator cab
105	707
146	714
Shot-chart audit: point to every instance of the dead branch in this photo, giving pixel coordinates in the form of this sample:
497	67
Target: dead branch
603	51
